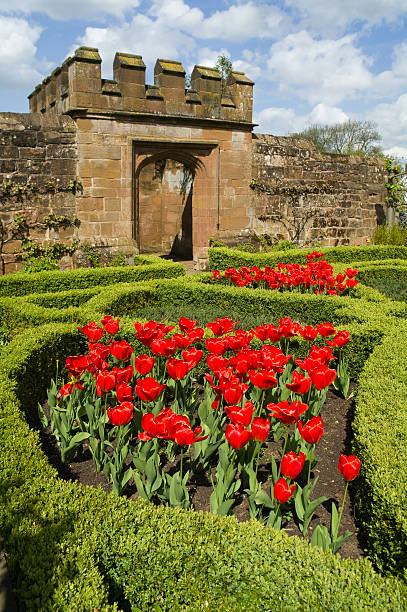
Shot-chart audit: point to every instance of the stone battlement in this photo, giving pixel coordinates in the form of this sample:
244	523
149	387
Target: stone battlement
77	86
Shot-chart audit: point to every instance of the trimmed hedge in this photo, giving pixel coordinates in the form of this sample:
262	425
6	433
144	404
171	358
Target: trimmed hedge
380	429
75	548
221	258
22	283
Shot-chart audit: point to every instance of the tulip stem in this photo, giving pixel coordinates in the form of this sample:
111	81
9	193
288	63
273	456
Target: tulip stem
309	465
343	503
182	456
284	447
275	515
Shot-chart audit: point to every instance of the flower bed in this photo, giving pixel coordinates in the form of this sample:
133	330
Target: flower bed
76	547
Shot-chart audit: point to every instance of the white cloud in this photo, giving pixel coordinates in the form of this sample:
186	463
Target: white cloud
283	121
151	39
391	119
74	9
319	70
19	68
322	16
238	23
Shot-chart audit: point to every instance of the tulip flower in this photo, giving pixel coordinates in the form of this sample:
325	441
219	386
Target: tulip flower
111	326
193	356
122	414
260	429
282	492
322	377
349	467
309	333
180	341
220	327
233	391
287	413
340	339
186	325
292	464
299	384
311	432
148	389
237	435
151	331
263	379
121	350
177	368
240	416
92	331
217	363
325	329
144	364
195	335
181	432
163	347
216	346
76	365
68	388
156	427
123	375
124	392
105	382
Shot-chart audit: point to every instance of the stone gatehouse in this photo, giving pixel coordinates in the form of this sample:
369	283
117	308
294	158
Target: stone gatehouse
164	169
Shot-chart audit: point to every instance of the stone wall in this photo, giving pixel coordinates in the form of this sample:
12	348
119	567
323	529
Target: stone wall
37	163
331	199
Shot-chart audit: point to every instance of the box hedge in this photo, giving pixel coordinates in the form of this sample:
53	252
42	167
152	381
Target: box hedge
44	282
75	548
221	258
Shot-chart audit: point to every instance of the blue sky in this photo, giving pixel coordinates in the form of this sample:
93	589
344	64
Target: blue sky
313	61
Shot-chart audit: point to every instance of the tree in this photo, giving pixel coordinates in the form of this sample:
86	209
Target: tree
352	136
224	66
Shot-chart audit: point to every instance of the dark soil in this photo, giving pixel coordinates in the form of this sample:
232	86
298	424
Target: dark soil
337	414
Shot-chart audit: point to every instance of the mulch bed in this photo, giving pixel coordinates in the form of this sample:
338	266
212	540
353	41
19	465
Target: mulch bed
337	414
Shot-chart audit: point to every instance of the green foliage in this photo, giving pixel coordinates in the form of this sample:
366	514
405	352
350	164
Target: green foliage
119	260
92	255
221	258
146	267
385	234
350	137
284	245
73	547
395	187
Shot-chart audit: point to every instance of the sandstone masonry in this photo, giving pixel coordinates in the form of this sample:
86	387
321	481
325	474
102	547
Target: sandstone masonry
165	168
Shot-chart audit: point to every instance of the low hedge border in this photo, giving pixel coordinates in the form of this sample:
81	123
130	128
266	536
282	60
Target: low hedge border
73	547
44	282
221	258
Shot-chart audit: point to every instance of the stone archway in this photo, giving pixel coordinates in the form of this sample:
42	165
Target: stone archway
176	201
165	191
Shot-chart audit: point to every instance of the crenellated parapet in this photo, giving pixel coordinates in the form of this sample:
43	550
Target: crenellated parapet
78	85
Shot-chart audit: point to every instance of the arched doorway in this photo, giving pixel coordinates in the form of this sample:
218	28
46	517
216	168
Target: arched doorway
164	207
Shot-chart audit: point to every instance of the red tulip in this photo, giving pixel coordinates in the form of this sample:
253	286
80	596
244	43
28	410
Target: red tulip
121	350
180	341
349	466
92	331
193	356
351	283
177	368
148	389
341	339
105	382
144	364
121	415
312	431
76	365
163	347
237	435
299	383
151	331
124	392
98	354
221	326
110	325
216	346
323	354
263	379
282	492
287	413
156	427
292	464
273	357
240	416
260	429
325	329
351	273
181	432
233	392
123	375
309	333
69	387
186	325
322	377
195	335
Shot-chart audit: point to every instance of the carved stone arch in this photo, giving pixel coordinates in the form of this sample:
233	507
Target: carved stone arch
170	180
